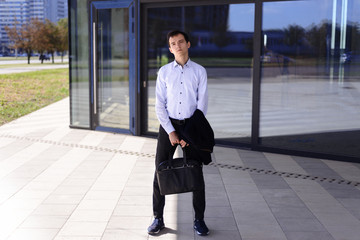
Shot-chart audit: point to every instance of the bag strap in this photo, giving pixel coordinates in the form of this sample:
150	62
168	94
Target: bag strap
184	155
171	156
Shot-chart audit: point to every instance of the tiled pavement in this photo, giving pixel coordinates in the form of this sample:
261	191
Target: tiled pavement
61	183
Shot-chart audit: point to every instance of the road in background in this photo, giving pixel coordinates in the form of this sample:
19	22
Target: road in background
33	66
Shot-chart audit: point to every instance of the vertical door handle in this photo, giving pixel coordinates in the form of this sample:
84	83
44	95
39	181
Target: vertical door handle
94	67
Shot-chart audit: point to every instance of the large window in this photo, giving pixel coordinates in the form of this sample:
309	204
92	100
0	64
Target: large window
79	64
310	86
221	39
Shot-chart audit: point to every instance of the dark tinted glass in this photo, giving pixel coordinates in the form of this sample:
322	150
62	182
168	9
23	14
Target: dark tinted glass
310	86
221	39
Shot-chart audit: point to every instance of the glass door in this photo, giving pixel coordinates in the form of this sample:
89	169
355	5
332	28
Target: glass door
112	67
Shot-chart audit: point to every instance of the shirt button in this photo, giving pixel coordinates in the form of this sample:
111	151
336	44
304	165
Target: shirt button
180	102
180	92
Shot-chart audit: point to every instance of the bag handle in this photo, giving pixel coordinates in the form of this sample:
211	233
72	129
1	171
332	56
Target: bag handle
171	156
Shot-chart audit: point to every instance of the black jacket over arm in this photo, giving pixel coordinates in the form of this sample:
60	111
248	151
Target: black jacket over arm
200	135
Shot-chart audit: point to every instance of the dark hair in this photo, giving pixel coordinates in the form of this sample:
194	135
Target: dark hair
177	32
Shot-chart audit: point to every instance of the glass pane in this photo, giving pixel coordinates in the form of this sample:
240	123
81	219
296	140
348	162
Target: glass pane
310	76
79	65
113	68
221	39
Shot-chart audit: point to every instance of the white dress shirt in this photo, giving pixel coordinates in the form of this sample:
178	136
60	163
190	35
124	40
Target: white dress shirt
179	92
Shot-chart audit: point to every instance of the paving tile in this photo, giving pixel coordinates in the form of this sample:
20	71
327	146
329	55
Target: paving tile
221	224
296	224
44	222
138	190
260	218
77	238
219	235
295	202
123	223
220	212
261	232
290	212
97	204
177	217
55	209
245	196
13	148
126	234
336	219
132	211
241	189
213	180
103	194
308	235
284	163
344	232
74	228
350	203
91	215
33	234
345	193
135	200
345	169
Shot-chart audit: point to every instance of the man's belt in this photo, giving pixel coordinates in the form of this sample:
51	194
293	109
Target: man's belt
179	122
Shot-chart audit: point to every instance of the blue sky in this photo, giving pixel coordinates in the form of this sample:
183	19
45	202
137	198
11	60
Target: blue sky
281	14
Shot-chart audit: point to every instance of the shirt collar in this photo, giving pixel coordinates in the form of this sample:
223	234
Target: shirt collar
187	64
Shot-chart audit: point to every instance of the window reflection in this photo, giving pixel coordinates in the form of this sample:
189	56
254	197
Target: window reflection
79	65
310	66
221	39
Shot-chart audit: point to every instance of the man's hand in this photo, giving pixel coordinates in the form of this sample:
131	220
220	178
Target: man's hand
174	139
183	143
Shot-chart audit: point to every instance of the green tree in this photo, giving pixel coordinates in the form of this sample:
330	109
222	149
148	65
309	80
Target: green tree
40	39
52	36
221	37
294	35
63	34
316	36
22	37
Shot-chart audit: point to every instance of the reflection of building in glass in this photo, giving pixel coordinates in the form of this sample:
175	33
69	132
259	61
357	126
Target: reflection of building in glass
237	44
212	20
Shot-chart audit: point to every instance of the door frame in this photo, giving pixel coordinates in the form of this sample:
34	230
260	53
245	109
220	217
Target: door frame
134	110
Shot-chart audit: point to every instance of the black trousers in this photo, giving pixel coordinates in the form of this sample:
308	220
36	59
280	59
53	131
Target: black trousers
163	151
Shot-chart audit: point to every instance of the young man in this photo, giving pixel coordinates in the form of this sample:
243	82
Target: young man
181	88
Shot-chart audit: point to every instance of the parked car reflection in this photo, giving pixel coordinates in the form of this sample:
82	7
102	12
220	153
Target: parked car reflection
43	57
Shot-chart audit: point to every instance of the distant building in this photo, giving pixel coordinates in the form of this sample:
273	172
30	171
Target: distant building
56	10
24	10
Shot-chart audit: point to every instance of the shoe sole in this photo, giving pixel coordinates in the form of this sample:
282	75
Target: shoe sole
201	234
154	233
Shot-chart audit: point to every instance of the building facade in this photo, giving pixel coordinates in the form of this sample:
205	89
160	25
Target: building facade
56	10
283	76
22	11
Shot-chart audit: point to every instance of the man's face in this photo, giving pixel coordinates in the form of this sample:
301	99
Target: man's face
178	45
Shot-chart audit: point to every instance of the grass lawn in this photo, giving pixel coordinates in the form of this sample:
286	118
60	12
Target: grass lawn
23	93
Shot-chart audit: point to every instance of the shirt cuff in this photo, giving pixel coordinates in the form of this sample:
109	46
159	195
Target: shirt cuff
168	127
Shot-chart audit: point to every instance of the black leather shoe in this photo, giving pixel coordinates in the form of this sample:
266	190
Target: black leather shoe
201	228
156	226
